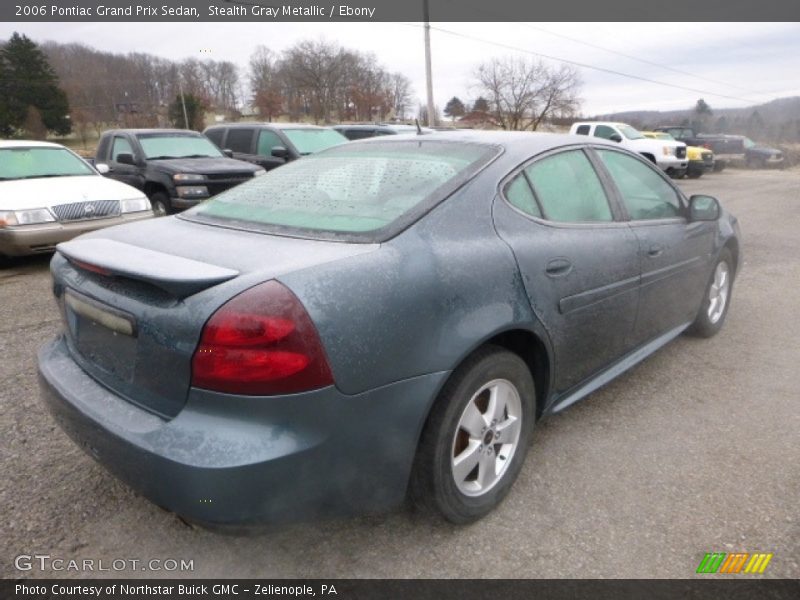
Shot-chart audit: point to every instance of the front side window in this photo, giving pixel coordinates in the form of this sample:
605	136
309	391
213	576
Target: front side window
31	162
121	146
215	135
644	192
568	189
604	131
350	189
177	145
267	140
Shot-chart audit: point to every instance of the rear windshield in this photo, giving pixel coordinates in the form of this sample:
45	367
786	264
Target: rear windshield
176	145
308	141
361	191
36	162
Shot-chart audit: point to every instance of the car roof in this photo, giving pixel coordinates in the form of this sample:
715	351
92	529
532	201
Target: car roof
516	143
27	144
267	125
154	130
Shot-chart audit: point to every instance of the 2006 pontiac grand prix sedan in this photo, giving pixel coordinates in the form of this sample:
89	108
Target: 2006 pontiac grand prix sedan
382	318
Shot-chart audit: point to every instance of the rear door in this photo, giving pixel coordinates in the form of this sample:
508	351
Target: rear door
241	141
577	257
673	253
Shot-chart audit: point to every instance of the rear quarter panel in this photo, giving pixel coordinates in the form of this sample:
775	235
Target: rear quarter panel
420	303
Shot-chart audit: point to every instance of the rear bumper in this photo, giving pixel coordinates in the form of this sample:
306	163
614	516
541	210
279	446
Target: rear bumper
241	460
38	239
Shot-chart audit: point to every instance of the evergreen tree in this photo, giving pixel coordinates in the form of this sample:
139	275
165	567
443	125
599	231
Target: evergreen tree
28	81
195	112
454	108
481	105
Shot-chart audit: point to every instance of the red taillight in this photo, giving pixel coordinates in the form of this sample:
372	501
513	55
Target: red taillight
93	268
262	342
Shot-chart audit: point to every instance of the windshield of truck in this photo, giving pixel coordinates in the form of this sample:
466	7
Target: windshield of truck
748	143
308	141
31	162
630	133
177	145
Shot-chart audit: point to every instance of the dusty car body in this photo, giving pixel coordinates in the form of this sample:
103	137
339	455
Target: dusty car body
386	317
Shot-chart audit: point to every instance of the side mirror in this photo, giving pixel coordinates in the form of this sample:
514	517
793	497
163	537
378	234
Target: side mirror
126	159
704	208
228	152
280	152
615	137
102	168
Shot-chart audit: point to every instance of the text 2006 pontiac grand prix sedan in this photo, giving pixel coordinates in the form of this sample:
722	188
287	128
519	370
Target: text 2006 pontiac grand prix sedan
382	318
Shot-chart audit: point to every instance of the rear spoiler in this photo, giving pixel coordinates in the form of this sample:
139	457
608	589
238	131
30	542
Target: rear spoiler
176	275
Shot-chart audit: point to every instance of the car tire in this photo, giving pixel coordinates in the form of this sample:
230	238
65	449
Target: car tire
474	442
719	166
712	314
694	174
160	203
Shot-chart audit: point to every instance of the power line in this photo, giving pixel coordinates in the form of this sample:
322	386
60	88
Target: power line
584	65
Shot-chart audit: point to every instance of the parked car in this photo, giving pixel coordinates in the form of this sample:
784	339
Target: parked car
669	155
701	160
271	145
757	156
725	150
368	130
386	315
49	194
175	168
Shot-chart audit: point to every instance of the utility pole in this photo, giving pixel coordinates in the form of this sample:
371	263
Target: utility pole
428	74
183	103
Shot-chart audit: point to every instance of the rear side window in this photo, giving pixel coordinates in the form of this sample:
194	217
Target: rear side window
568	188
519	194
215	135
267	140
583	129
644	192
351	189
240	140
358	134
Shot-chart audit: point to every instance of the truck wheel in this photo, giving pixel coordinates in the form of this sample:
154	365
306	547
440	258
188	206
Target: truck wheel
719	166
160	202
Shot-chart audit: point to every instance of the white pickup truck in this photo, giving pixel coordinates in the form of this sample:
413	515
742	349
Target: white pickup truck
669	155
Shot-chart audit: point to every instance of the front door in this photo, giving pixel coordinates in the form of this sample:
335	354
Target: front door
672	252
579	262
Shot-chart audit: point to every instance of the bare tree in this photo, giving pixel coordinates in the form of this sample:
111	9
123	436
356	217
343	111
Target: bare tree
523	93
402	95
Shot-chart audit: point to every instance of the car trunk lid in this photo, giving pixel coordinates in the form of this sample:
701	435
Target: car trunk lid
134	299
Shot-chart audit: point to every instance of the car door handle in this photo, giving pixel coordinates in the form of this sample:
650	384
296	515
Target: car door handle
655	250
558	267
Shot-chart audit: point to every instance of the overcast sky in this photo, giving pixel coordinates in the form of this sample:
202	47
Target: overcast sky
749	63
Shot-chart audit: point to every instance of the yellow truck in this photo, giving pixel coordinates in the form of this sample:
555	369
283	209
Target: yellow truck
700	159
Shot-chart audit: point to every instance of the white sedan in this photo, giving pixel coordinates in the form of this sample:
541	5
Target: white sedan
49	194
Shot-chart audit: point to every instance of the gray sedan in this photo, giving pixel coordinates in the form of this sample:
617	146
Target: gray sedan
386	317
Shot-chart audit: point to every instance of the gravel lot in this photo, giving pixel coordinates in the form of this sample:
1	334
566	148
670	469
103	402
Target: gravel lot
696	450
